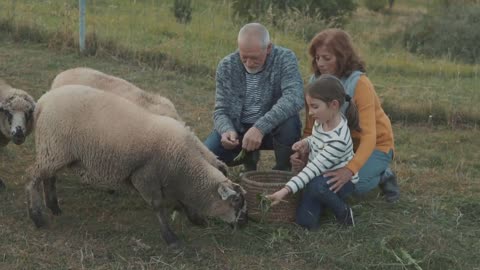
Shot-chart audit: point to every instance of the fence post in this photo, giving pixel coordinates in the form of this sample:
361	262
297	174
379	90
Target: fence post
81	40
12	10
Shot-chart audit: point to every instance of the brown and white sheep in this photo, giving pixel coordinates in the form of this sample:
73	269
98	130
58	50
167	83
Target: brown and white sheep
119	144
153	103
16	111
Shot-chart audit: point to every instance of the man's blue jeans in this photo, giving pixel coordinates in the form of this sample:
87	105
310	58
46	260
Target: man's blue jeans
285	135
317	197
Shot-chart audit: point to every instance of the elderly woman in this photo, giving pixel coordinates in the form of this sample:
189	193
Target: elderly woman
332	53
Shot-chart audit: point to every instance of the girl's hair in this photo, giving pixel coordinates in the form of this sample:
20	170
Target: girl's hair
328	88
339	43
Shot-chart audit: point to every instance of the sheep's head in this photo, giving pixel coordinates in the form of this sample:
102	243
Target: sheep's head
232	207
16	117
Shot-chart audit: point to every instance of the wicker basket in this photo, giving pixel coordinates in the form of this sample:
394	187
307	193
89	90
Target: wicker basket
258	183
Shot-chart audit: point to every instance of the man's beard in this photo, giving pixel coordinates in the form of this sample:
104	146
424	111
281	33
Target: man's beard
253	71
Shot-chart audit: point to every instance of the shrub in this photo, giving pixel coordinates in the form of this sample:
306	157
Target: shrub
375	5
182	9
448	3
330	9
390	3
451	32
295	22
327	9
249	9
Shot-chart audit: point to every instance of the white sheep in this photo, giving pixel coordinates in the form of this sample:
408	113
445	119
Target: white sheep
118	144
16	110
86	76
153	103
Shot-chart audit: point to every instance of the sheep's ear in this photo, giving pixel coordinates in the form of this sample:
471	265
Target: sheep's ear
225	192
31	101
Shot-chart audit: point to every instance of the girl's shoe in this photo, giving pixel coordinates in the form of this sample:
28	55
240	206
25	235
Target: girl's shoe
347	220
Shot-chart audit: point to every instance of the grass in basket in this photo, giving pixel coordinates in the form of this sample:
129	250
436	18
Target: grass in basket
265	204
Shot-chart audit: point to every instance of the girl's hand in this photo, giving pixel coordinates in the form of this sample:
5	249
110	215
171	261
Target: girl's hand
301	147
297	161
278	196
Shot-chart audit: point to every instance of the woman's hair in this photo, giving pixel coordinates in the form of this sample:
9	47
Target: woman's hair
329	88
339	43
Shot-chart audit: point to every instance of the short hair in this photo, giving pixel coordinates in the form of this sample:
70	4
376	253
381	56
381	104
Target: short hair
339	43
255	29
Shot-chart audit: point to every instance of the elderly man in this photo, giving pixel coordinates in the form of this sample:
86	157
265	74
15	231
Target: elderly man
259	93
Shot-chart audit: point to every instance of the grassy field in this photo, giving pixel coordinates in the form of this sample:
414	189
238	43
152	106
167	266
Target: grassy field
434	226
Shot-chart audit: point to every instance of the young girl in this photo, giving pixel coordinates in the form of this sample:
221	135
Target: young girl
328	148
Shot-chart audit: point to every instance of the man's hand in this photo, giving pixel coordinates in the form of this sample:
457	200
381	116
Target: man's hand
229	140
252	139
339	178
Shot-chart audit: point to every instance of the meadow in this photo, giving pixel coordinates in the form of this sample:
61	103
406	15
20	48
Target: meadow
434	226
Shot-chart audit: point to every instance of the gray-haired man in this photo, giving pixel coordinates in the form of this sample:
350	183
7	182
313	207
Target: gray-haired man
259	93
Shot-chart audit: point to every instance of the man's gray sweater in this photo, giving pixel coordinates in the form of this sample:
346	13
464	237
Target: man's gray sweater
281	85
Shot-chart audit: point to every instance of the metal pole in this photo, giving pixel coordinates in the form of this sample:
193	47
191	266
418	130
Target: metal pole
81	40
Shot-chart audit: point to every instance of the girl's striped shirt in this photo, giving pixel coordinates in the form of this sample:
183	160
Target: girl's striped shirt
329	150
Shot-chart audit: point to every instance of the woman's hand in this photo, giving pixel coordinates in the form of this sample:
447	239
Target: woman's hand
339	178
278	196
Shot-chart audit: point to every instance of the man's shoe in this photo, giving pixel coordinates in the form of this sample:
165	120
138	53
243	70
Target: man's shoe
282	156
389	186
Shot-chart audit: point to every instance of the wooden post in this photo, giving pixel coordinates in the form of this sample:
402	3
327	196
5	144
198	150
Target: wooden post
81	39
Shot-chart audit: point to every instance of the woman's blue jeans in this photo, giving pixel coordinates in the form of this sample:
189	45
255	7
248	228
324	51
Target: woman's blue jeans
369	175
317	197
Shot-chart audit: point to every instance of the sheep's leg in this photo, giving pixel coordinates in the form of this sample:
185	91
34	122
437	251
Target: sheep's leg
40	173
34	197
194	217
151	192
161	212
51	199
167	233
2	185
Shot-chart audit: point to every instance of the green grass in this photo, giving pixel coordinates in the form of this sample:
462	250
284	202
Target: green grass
434	226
